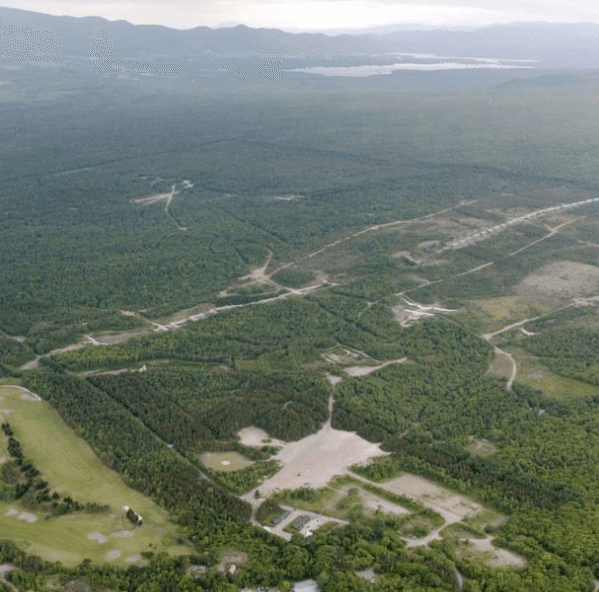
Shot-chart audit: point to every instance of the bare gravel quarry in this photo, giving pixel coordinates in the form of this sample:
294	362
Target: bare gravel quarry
316	459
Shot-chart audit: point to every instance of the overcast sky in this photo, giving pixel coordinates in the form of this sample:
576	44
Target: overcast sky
313	15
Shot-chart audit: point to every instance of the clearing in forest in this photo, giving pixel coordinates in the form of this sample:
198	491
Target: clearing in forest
225	461
72	469
314	460
533	372
554	283
480	446
495	313
501	365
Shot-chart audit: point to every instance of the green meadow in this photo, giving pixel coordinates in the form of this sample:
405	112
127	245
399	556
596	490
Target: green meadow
71	468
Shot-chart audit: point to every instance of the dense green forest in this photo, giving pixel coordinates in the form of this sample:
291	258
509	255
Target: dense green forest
152	202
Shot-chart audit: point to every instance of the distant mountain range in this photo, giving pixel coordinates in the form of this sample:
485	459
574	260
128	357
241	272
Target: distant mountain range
52	38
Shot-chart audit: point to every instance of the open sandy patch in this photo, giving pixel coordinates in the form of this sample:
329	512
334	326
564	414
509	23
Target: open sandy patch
11	512
112	555
502	557
253	436
332	378
314	460
365	370
29	396
560	280
28	517
452	507
122	534
134	558
96	536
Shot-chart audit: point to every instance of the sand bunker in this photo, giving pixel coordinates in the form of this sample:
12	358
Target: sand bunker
28	517
11	512
122	534
112	555
96	536
134	558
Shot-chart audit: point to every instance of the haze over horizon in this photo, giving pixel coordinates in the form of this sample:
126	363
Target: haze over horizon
321	15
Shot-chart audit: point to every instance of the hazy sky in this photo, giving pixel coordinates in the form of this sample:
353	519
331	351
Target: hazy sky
319	14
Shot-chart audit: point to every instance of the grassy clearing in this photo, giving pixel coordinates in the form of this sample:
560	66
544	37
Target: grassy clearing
71	468
487	519
495	313
501	366
344	498
417	526
462	531
532	372
214	460
229	558
480	447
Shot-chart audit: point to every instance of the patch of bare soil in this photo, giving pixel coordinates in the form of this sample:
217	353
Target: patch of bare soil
112	555
367	574
28	517
371	501
134	558
253	436
480	447
364	370
122	534
234	557
501	557
316	459
562	280
333	379
452	507
96	536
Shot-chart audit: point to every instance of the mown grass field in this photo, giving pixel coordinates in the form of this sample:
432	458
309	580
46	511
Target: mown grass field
71	468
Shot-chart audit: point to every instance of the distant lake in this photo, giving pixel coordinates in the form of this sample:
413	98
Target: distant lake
439	63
